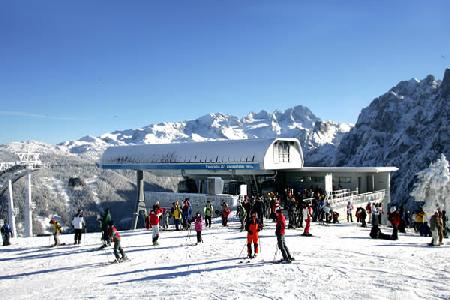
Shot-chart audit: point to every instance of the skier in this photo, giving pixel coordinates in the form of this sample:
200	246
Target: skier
327	212
279	232
115	236
176	213
6	234
198	227
440	225
292	211
307	215
394	218
349	211
369	210
363	215
434	229
154	223
105	219
187	212
258	207
225	213
56	231
165	217
208	211
444	222
78	224
242	215
252	228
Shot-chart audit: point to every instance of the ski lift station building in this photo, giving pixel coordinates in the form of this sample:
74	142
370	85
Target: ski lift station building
221	167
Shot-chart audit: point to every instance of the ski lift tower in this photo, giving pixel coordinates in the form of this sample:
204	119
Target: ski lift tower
31	161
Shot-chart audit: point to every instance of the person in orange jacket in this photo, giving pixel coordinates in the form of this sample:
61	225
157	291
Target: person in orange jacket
252	228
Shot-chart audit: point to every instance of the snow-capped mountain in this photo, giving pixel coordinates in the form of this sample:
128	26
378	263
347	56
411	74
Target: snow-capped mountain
297	122
408	127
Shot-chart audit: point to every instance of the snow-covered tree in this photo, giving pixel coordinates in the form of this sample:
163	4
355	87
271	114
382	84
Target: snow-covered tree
433	186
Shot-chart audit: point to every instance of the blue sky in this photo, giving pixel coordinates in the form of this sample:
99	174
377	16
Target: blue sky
72	68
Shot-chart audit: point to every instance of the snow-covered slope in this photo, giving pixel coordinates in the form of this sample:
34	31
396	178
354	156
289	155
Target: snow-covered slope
338	262
408	127
297	122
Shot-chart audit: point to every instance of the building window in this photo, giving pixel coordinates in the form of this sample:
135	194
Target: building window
281	152
345	180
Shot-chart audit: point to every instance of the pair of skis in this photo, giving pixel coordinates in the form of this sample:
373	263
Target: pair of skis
119	261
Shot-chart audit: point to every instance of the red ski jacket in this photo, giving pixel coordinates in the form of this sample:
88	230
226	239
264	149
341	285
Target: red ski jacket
281	224
394	218
154	217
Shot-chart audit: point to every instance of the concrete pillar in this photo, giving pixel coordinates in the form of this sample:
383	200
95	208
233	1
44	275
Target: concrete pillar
140	203
387	197
372	183
329	183
28	220
11	212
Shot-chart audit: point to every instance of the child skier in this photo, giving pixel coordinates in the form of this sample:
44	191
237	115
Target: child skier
198	226
154	223
56	231
115	237
252	228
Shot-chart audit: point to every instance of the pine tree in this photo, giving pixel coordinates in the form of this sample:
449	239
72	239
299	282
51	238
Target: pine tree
433	186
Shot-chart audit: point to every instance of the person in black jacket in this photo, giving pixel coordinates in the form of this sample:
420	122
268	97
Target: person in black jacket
6	234
258	207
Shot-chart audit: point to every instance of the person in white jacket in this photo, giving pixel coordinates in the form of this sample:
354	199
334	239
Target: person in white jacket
78	224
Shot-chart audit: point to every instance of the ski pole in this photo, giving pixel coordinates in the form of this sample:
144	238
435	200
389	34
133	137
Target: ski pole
276	251
240	253
107	253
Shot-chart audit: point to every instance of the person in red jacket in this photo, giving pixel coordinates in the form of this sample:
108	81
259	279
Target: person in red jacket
154	223
280	232
394	218
252	228
225	213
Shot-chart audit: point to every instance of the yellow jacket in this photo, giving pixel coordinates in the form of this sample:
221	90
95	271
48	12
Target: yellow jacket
420	217
56	228
177	213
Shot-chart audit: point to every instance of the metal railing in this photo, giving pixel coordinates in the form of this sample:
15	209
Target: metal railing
357	199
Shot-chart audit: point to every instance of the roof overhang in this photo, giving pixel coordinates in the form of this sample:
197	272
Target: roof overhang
344	169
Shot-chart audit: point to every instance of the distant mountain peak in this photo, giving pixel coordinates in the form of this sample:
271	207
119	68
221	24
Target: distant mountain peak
297	121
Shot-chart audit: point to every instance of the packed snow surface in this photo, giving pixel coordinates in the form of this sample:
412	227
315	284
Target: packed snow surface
339	262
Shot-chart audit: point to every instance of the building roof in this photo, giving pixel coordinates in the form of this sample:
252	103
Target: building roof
229	154
346	169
